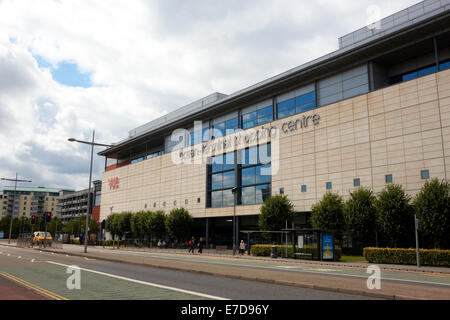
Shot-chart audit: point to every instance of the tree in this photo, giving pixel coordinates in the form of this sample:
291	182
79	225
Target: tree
139	223
274	213
395	216
328	213
109	225
157	224
432	206
179	223
93	226
361	216
55	225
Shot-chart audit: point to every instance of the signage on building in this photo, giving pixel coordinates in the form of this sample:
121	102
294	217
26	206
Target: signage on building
250	136
113	183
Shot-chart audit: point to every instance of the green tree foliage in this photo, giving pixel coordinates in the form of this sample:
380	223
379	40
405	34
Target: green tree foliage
328	213
75	226
108	225
139	222
93	226
395	216
179	223
55	225
157	224
275	211
432	206
361	216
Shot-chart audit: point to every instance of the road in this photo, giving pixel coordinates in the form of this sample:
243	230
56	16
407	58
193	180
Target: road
34	274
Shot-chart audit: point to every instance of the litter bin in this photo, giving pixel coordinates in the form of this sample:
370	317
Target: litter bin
274	253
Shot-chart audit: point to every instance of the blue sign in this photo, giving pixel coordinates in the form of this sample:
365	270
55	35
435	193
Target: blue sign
1	234
327	247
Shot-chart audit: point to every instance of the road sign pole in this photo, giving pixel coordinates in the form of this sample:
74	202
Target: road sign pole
416	227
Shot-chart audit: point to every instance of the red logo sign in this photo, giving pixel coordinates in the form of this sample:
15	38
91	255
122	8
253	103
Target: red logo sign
113	183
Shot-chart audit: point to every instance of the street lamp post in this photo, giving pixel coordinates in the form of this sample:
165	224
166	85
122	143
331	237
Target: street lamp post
14	201
92	144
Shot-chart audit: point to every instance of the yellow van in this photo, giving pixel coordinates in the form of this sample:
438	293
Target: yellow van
39	238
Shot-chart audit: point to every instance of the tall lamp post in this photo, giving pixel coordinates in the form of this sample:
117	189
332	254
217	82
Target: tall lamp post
92	144
14	202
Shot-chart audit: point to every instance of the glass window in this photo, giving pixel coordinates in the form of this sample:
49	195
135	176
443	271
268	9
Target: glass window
228	180
444	65
426	71
228	161
303	188
250	157
356	182
409	76
205	134
388	178
329	185
217	163
263	174
216	181
249	120
265	115
231	126
228	198
248	176
425	174
216	199
286	108
248	195
218	130
305	102
262	193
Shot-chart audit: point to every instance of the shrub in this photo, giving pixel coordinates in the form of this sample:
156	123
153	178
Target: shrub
432	257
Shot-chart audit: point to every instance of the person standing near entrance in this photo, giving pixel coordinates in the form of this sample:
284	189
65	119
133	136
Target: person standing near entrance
242	247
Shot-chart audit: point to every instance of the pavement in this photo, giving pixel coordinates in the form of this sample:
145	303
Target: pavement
397	282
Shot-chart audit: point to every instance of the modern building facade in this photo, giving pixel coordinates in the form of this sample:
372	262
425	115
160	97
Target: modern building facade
25	201
74	204
374	112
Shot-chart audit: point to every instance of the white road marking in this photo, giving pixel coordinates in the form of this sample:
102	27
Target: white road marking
19	257
32	260
145	283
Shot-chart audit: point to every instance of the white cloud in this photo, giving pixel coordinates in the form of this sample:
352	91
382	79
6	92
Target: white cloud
145	58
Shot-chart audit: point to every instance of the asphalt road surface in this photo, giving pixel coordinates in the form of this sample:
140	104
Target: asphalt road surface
32	274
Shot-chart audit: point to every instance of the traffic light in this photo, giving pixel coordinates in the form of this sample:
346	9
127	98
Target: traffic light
48	217
33	220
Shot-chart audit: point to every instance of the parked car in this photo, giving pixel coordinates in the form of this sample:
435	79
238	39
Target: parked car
39	238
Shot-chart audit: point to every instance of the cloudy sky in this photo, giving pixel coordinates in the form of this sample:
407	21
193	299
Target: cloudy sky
67	66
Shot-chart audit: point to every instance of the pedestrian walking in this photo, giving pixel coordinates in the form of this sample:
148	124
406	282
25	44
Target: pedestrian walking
200	246
192	246
242	247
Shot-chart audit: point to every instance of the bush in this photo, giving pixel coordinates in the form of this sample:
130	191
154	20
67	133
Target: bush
408	256
264	250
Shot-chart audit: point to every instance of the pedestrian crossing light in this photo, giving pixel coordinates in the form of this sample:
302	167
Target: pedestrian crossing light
33	220
48	217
